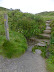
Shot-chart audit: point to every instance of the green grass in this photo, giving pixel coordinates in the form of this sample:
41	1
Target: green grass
48	17
13	48
50	65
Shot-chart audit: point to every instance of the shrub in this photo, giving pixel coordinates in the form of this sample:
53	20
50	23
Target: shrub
28	27
16	46
27	24
41	22
39	19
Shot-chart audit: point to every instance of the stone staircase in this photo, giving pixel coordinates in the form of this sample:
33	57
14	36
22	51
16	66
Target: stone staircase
46	36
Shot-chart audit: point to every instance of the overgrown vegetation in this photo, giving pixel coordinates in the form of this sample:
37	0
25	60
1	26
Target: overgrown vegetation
27	24
22	26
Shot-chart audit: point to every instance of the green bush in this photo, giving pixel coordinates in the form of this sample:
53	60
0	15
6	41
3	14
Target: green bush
38	18
40	21
15	47
27	27
27	24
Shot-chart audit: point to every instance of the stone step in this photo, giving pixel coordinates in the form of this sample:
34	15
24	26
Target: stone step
48	28
43	40
45	36
48	21
47	24
42	44
47	31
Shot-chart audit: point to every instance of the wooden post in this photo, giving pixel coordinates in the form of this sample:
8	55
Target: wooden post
6	26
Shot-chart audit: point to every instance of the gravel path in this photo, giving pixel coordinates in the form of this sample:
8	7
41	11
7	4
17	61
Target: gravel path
28	62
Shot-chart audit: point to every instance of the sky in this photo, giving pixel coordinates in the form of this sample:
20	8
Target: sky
30	6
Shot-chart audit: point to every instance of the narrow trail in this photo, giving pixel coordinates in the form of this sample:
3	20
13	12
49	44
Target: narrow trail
28	62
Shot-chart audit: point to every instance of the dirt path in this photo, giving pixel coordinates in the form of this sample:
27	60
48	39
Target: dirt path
28	62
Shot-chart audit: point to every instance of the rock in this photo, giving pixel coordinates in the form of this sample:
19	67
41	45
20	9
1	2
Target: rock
38	51
47	31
